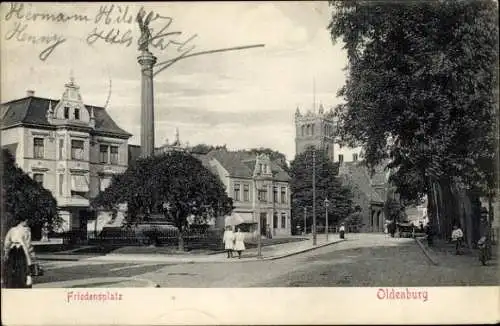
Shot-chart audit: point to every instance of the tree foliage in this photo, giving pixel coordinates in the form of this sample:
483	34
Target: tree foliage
327	186
25	198
175	183
420	90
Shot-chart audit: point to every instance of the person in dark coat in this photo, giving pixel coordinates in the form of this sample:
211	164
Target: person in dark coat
19	257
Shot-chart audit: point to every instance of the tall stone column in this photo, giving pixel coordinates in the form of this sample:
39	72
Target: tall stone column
147	61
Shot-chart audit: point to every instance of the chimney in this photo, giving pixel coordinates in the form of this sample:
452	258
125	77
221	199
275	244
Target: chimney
30	92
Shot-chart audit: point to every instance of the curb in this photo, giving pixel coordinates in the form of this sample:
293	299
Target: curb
57	258
89	282
117	257
304	250
427	252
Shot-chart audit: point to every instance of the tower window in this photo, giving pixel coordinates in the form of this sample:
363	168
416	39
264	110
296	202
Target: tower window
312	130
341	158
77	114
303	129
66	112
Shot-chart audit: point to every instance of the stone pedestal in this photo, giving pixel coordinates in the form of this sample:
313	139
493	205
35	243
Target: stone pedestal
147	61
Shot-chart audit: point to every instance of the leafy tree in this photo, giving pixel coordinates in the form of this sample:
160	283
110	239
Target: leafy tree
275	156
175	183
420	92
205	148
25	198
355	219
327	186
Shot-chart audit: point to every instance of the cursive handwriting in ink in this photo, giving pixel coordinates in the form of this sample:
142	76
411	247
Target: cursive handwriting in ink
113	36
18	33
21	12
165	64
114	14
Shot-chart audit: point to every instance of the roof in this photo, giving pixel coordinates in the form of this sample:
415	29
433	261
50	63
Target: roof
241	164
32	110
358	175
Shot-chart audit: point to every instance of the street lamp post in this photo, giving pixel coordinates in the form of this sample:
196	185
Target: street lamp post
257	212
327	203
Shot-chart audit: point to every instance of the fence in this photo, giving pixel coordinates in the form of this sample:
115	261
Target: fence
333	229
116	236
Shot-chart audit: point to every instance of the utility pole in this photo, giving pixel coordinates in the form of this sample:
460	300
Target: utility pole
305	220
314	196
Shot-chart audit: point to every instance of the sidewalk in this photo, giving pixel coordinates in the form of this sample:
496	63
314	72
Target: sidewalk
443	253
268	253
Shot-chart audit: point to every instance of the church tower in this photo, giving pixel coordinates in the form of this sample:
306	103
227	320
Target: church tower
315	129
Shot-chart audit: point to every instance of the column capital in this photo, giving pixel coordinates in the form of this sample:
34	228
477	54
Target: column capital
146	59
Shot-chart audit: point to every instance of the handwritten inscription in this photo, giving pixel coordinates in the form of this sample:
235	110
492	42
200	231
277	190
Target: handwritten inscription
106	26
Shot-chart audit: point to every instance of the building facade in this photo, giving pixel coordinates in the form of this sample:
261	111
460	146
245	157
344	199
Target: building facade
71	148
259	188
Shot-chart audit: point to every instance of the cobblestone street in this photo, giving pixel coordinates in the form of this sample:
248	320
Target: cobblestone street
363	260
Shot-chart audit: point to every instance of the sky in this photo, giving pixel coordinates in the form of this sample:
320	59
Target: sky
243	99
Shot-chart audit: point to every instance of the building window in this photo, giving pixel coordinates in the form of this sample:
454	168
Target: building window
77	114
246	192
341	158
275	194
114	155
308	130
38	177
303	129
61	183
66	112
103	153
237	192
355	157
38	148
77	149
283	195
283	220
275	220
312	130
61	147
263	195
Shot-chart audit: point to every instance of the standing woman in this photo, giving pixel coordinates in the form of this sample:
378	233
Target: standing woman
228	240
239	243
18	256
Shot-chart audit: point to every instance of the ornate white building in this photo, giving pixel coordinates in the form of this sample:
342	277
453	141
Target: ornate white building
71	148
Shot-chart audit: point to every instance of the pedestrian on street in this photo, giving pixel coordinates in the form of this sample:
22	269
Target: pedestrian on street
228	240
429	230
392	228
342	231
19	256
457	236
239	242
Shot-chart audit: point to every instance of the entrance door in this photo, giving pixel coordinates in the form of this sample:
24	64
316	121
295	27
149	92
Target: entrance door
84	216
263	224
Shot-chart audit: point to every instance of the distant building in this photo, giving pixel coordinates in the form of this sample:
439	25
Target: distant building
319	129
267	200
69	147
315	129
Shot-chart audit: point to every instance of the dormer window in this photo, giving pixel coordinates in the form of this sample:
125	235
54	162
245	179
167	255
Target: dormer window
66	112
77	114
